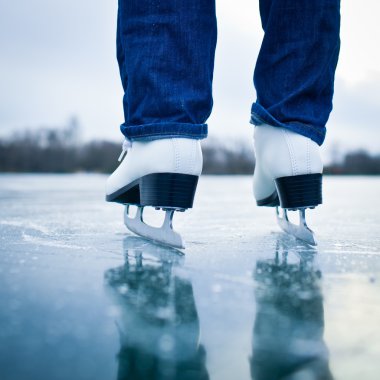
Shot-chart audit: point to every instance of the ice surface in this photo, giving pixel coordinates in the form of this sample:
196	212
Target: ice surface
81	298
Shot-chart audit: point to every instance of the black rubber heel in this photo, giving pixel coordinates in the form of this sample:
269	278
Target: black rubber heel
168	190
300	191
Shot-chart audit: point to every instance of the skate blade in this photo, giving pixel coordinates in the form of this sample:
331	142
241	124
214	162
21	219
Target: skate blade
302	231
164	235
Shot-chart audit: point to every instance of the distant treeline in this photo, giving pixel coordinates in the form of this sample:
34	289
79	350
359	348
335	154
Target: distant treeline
58	151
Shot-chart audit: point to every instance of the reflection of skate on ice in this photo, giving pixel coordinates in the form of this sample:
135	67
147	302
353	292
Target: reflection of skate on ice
289	324
156	315
288	174
160	173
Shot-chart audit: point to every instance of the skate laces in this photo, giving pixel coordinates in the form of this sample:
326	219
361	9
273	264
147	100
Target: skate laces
127	144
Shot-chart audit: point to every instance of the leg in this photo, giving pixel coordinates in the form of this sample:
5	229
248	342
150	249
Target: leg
165	51
294	75
166	56
294	79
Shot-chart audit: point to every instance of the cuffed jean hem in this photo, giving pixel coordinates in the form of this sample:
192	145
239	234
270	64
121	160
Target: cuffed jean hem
157	131
259	116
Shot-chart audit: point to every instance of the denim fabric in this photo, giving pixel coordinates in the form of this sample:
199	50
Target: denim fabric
165	50
294	74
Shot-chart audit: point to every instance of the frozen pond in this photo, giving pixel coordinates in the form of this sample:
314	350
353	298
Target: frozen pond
81	298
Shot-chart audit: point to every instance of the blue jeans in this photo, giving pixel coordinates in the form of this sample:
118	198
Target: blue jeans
166	48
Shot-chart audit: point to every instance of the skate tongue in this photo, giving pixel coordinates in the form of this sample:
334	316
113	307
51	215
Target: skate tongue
127	144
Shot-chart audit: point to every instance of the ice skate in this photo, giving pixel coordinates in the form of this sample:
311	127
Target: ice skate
162	174
288	175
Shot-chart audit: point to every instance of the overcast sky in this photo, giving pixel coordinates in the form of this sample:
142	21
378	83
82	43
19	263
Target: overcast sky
57	59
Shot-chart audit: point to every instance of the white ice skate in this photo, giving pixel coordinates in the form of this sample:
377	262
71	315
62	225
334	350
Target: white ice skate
288	174
160	173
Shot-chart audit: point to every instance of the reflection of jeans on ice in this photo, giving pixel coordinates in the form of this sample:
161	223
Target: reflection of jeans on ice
157	318
288	331
166	51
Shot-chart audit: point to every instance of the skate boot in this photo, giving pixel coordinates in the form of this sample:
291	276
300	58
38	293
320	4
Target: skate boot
288	174
160	173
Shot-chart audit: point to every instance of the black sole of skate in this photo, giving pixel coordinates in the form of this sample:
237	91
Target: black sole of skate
295	192
159	190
